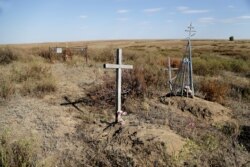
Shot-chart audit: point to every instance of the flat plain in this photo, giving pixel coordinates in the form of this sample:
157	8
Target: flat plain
61	113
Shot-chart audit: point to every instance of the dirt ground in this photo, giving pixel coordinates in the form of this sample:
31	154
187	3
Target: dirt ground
68	135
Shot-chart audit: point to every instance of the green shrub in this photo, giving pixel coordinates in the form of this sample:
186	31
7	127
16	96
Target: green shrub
200	67
211	65
207	65
239	66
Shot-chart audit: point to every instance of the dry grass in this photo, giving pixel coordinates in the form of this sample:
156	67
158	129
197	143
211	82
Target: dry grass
35	78
7	55
77	60
102	55
206	144
7	89
33	70
28	75
148	78
38	88
19	153
215	90
47	55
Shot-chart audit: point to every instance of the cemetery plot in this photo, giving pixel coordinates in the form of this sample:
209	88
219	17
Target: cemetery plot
67	52
183	83
172	131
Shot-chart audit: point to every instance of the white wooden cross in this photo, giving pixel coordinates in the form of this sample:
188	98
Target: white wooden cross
170	79
118	66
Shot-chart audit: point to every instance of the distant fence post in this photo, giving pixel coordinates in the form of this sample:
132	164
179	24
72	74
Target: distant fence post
69	51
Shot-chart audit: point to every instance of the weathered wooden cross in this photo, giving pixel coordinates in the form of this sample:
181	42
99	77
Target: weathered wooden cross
170	69
118	66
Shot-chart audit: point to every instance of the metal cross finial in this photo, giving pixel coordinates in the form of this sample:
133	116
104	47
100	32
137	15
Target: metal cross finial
190	30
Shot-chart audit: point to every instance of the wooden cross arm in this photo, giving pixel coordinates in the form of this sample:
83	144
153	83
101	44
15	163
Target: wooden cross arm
173	69
115	66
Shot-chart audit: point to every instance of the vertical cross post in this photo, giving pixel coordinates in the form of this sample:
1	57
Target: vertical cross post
118	82
191	68
169	74
118	66
170	79
191	32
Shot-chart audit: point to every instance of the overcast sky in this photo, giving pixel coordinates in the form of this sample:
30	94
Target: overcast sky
28	21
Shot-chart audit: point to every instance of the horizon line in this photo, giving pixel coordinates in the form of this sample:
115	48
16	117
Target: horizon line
109	40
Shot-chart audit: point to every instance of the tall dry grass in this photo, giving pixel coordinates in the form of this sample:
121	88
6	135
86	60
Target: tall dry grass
25	74
35	78
102	55
21	153
150	78
7	89
215	90
7	55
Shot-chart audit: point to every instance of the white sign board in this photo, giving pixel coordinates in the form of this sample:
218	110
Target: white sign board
58	50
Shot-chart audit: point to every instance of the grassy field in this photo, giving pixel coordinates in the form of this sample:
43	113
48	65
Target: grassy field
57	113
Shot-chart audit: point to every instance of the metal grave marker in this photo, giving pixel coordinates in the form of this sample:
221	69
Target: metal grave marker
118	66
183	83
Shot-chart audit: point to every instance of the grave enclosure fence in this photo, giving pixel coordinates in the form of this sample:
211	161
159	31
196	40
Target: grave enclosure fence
65	51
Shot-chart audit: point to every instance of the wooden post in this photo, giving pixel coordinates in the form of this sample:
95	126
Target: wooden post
170	69
86	53
183	77
170	74
118	66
